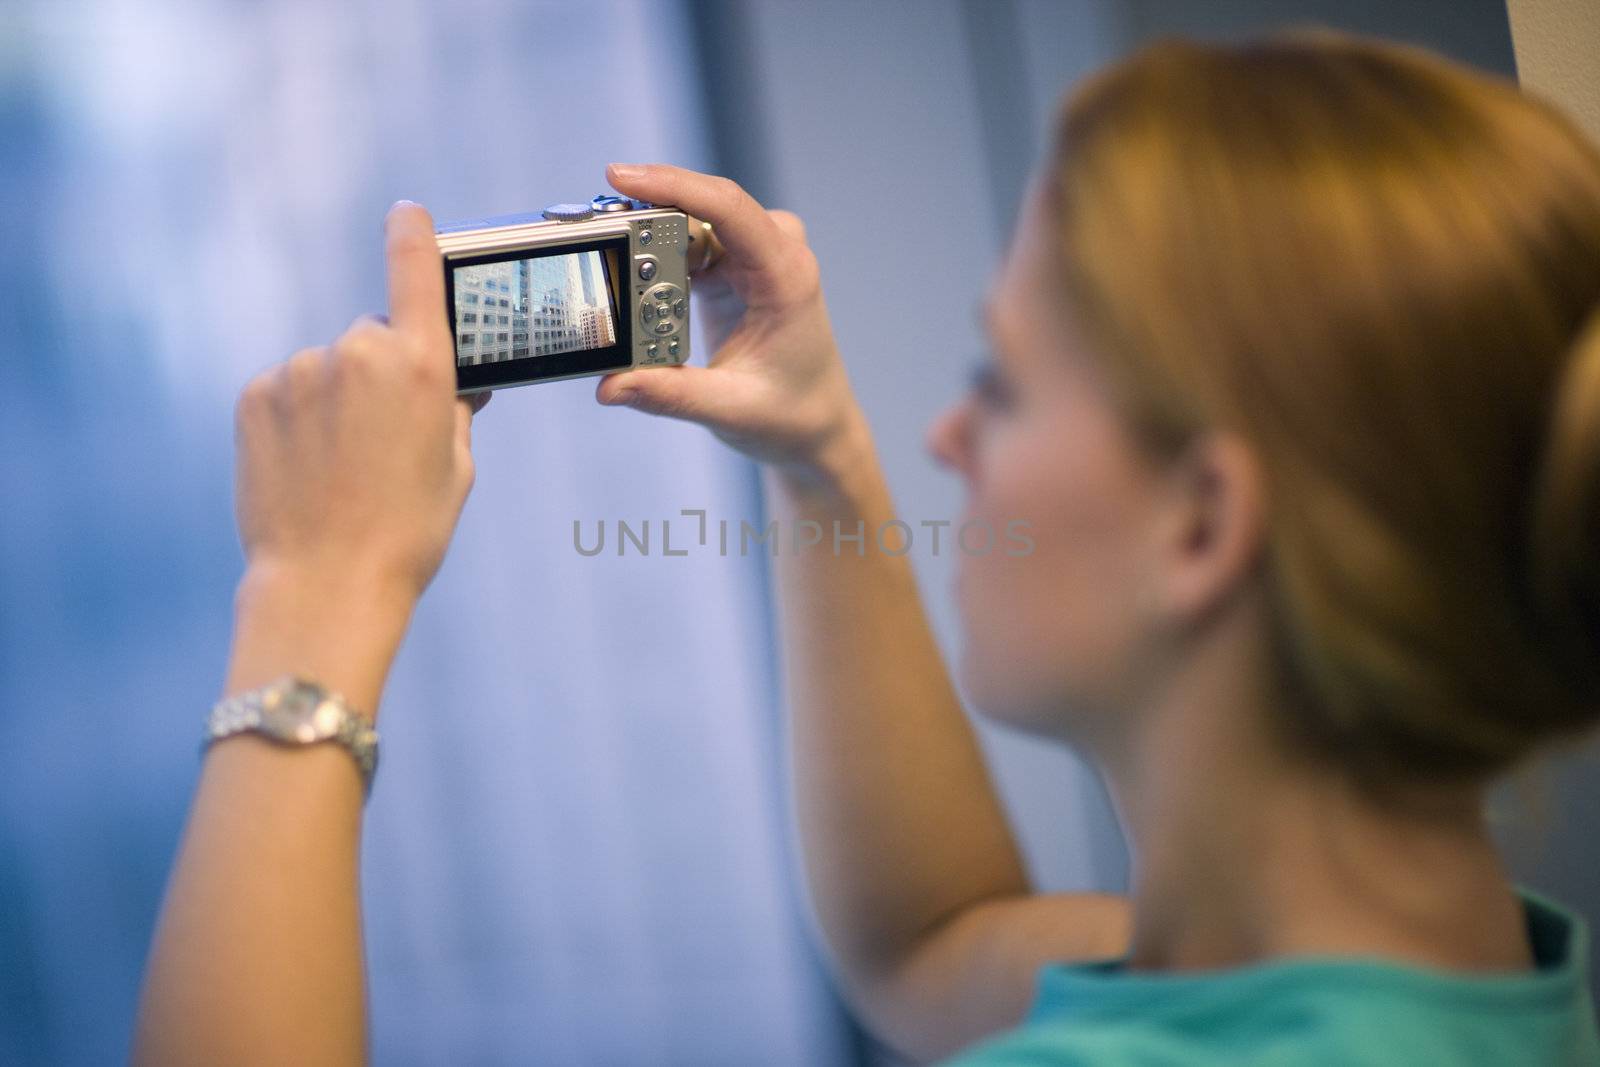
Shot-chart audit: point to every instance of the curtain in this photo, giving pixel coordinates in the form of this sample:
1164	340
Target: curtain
576	850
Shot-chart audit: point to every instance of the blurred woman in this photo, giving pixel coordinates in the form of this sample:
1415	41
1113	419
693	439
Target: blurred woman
1296	385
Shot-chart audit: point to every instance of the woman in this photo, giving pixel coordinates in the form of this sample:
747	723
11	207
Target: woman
1296	382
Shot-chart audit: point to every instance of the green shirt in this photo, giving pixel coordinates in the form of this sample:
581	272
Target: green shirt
1315	1011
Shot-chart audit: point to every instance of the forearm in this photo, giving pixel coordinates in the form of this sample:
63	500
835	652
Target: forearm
257	956
900	825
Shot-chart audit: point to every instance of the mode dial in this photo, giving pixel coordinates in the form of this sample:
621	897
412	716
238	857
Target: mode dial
568	212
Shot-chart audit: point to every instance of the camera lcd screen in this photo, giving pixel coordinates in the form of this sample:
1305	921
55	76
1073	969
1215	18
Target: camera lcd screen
529	315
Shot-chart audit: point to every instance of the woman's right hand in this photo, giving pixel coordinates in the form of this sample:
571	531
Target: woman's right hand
774	387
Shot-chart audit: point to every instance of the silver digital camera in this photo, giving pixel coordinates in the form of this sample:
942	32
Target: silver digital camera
576	290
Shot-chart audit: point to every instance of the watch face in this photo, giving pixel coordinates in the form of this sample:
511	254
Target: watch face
301	713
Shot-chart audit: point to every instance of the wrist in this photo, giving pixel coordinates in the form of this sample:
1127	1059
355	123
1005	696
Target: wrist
339	630
836	471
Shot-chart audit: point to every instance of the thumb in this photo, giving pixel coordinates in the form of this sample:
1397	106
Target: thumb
698	394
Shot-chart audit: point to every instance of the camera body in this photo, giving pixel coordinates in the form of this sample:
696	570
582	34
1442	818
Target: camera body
575	290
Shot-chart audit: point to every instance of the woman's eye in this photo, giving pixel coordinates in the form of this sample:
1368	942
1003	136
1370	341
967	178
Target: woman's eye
991	388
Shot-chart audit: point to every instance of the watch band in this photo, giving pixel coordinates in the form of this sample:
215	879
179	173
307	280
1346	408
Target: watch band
294	711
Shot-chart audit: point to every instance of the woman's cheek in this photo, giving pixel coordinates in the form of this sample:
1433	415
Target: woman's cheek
1008	589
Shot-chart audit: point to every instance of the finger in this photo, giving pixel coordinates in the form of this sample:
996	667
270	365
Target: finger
415	268
302	378
468	407
705	395
743	227
466	466
361	326
259	397
789	223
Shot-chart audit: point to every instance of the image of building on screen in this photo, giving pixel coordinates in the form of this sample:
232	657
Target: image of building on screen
532	307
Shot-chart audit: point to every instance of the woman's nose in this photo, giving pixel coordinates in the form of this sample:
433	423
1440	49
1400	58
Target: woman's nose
949	438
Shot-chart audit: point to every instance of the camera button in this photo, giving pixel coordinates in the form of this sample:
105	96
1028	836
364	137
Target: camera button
653	351
672	347
645	237
663	311
677	309
647	269
647	312
666	326
662	292
568	212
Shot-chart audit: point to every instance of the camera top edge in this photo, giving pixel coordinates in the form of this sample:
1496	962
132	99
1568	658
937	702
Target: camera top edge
599	207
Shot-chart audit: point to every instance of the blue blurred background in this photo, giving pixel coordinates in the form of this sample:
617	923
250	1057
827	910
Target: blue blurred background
578	851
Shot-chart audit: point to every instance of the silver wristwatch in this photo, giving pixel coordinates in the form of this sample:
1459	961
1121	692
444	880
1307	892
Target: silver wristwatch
293	711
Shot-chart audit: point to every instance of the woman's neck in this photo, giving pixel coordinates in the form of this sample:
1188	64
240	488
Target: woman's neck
1242	853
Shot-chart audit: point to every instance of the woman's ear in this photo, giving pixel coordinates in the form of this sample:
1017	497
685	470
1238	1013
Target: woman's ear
1212	526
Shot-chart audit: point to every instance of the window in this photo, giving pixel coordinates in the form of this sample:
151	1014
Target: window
470	316
468	339
469	298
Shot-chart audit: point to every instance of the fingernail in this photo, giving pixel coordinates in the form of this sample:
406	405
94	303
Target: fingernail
396	206
622	396
626	170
